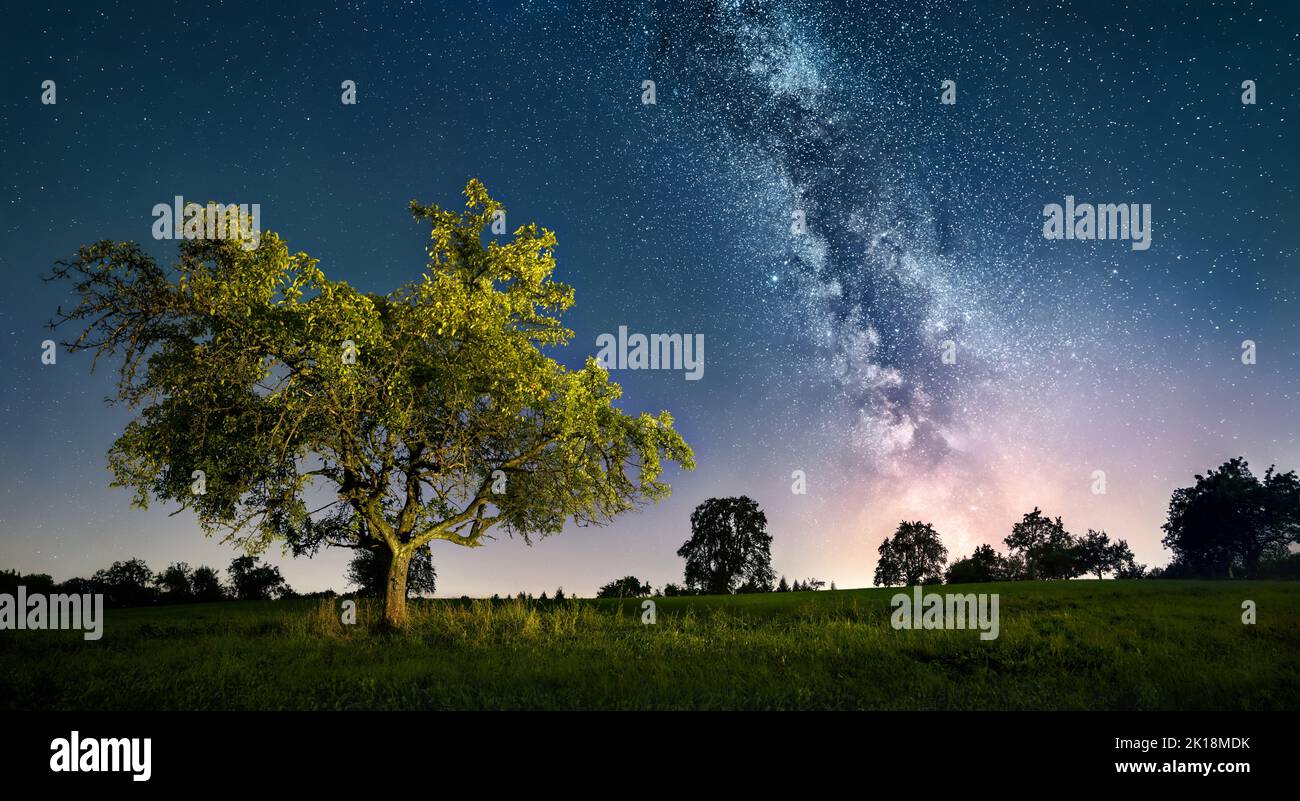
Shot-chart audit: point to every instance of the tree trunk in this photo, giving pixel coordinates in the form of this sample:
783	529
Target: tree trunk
395	616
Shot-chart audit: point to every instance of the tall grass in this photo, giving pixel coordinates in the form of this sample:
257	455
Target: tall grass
1066	645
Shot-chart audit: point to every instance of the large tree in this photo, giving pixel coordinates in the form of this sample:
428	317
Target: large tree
1230	518
729	547
323	415
250	581
175	584
914	555
1098	555
206	584
126	583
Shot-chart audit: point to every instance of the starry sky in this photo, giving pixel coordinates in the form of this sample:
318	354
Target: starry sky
823	349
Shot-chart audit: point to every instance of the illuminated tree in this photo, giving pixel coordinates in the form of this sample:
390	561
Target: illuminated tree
322	415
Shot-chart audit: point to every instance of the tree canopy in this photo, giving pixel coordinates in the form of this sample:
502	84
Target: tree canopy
1043	546
626	587
310	412
250	581
915	555
1230	519
983	565
729	547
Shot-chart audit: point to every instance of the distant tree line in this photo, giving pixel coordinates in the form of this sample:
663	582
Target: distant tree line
1229	524
1038	548
132	583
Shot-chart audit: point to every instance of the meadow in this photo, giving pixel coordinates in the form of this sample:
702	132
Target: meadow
1062	645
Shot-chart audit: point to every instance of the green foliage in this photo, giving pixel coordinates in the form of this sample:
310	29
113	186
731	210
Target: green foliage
270	378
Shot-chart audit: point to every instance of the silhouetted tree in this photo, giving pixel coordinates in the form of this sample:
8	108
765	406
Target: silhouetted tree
250	581
915	555
782	585
1123	562
1126	567
626	587
126	583
984	565
1047	550
10	580
1093	550
175	584
77	586
729	547
1224	524
1098	555
206	585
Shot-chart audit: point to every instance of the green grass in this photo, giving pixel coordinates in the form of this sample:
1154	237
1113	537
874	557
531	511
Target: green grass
1063	645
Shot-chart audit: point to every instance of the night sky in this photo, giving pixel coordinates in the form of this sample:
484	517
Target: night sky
822	350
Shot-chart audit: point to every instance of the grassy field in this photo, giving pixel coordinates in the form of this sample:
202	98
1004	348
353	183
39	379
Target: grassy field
1063	645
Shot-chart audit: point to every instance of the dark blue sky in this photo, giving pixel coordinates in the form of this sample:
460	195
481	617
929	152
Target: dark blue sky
822	351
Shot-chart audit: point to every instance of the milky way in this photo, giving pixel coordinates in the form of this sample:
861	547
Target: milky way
922	221
824	349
